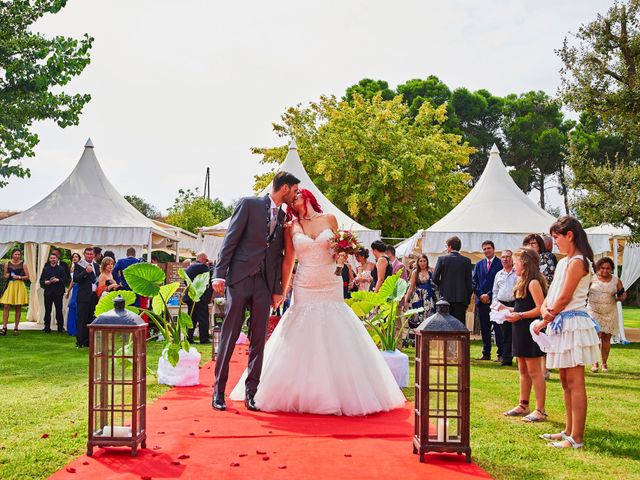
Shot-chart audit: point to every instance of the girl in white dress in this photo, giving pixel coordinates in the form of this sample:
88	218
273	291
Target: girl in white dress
320	358
571	329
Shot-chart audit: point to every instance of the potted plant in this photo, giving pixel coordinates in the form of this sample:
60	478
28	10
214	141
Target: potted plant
178	364
386	321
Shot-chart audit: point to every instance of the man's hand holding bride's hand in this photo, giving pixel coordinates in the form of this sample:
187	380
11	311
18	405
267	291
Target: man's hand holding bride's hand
276	300
218	285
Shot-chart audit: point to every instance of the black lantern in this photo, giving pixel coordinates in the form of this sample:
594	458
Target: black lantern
117	380
442	385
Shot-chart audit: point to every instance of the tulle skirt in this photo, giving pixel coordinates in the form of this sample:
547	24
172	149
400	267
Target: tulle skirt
15	294
321	359
576	344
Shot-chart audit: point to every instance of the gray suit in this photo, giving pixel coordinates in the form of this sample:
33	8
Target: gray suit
250	262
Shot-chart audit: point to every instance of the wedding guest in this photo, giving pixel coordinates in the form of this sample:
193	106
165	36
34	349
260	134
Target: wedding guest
548	246
530	290
186	262
396	264
52	280
16	273
85	275
453	277
63	264
484	273
421	284
110	254
347	274
363	271
548	260
72	312
97	255
605	291
412	265
574	341
106	282
121	265
200	309
503	286
382	267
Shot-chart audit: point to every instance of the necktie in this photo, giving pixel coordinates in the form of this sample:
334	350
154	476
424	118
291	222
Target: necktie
488	264
273	222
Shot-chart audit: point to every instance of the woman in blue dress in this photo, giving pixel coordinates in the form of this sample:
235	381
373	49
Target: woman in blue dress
72	315
421	292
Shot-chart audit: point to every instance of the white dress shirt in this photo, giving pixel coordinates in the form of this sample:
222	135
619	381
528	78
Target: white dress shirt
503	285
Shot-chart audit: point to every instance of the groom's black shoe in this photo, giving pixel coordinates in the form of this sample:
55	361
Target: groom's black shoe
250	403
218	403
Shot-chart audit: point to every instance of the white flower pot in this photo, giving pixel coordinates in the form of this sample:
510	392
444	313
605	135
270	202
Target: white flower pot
186	373
398	363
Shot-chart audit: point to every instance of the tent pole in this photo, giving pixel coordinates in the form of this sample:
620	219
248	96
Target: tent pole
615	256
149	247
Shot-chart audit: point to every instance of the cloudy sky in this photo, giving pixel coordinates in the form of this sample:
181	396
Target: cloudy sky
181	86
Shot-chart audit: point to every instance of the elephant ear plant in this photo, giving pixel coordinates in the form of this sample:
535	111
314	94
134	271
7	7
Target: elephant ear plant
147	280
381	313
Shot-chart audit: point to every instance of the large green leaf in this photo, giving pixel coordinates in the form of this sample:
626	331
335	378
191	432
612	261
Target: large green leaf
185	322
198	286
173	354
366	296
144	278
387	290
166	291
362	308
106	302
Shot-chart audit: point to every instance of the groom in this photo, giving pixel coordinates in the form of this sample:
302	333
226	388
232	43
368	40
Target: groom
250	266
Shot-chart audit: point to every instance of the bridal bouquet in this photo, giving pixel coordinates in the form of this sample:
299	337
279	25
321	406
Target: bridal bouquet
344	241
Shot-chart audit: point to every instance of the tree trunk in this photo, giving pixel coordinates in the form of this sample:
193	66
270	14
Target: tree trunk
541	187
563	188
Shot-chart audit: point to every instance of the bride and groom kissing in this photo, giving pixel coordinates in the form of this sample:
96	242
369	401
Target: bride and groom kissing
320	358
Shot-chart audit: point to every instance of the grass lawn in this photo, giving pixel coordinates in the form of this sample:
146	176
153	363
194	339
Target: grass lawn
631	317
43	389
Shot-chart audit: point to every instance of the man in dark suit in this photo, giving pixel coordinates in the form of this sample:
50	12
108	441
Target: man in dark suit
250	266
200	315
53	280
452	275
484	274
85	275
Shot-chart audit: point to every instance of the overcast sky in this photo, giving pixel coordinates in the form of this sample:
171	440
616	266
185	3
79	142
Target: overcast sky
180	86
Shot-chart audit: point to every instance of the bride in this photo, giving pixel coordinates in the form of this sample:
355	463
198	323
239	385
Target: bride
320	358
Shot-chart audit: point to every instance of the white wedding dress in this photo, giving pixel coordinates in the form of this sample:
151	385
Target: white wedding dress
320	358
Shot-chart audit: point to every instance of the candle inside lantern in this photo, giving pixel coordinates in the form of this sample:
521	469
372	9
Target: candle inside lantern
117	431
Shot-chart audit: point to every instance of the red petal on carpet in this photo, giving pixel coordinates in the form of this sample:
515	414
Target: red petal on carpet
303	446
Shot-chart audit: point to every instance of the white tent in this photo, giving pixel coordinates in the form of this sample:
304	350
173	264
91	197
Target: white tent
212	236
495	209
84	210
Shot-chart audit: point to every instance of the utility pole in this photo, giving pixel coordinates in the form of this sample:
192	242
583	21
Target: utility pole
207	186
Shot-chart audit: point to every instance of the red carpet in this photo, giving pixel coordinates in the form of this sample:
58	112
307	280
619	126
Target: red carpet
187	439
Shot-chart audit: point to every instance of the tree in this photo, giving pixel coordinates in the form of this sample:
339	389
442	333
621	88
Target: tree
190	211
536	134
368	89
143	206
33	68
373	161
600	78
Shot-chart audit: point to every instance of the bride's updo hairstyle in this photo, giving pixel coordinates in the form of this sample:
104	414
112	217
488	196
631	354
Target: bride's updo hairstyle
306	196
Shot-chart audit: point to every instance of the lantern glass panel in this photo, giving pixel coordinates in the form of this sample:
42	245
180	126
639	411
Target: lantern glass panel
452	377
436	403
436	376
452	404
453	430
453	352
436	351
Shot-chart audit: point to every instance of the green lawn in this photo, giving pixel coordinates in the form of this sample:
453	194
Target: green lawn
43	389
631	317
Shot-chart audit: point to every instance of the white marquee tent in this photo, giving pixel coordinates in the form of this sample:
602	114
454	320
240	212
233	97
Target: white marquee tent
212	236
84	210
495	209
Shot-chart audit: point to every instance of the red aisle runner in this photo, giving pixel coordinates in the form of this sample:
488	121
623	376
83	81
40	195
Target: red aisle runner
187	439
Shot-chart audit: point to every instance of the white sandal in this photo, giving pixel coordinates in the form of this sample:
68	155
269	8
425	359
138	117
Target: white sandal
550	436
572	444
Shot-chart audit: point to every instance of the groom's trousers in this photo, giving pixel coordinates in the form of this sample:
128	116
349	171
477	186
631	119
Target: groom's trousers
250	293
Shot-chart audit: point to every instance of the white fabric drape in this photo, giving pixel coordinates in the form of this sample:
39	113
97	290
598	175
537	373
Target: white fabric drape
4	248
36	256
630	273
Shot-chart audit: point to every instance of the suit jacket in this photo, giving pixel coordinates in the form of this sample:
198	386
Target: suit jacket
53	289
483	279
119	268
453	277
247	247
195	269
85	281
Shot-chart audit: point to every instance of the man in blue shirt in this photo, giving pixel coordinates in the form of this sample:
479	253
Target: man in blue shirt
121	265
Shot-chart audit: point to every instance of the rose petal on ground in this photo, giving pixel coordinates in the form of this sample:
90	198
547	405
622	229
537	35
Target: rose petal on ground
243	454
71	470
165	408
234	464
282	467
44	435
260	452
264	459
184	456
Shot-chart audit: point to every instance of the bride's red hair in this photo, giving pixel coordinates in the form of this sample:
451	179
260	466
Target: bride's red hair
307	196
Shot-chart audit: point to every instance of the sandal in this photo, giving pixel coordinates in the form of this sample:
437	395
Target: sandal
3	332
521	409
533	418
15	332
554	436
594	368
604	368
571	443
